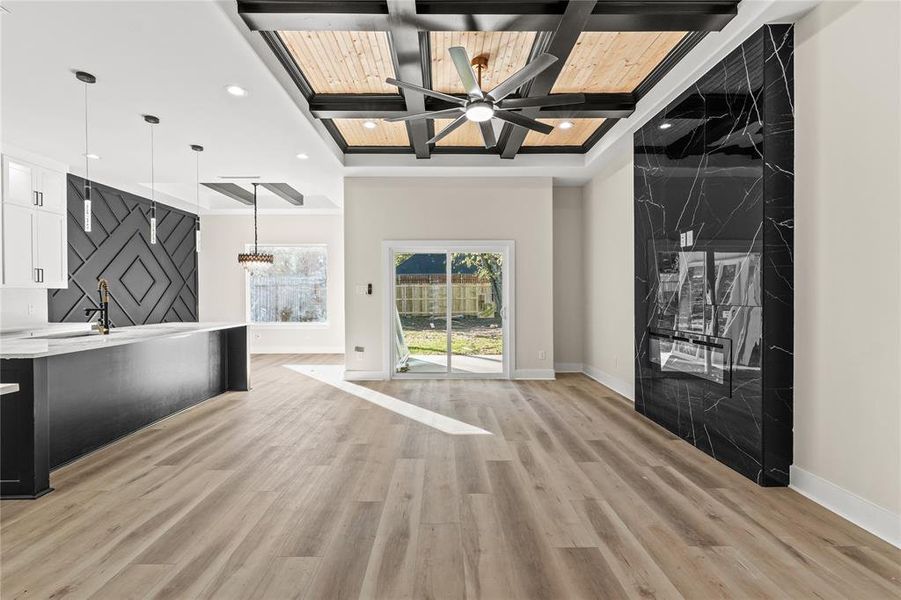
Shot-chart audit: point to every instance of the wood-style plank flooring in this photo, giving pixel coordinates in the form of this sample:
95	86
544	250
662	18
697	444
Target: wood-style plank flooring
299	490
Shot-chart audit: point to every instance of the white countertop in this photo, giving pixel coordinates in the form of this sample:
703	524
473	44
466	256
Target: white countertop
8	388
52	341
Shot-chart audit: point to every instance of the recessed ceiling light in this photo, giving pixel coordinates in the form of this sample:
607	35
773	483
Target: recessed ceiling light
91	156
665	125
236	90
370	124
566	125
302	156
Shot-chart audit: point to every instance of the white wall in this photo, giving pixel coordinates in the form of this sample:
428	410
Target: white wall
607	250
21	308
847	254
378	209
222	280
569	301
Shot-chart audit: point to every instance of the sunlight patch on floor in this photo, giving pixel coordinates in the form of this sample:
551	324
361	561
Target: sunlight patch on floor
334	376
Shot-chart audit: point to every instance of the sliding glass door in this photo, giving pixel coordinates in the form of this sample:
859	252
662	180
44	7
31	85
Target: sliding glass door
449	309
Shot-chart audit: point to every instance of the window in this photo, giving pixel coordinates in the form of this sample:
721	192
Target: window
293	290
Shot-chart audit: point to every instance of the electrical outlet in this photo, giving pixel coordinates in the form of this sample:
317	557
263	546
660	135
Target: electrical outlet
690	238
542	355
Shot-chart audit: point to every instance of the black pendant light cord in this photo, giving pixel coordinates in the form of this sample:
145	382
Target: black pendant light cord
255	250
152	180
197	186
87	175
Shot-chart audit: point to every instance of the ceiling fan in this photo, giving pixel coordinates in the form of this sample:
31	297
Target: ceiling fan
480	106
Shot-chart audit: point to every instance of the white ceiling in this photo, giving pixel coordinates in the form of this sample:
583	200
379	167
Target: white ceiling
170	59
173	59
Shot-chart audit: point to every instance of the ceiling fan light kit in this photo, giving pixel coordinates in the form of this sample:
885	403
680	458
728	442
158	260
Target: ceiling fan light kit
480	107
479	111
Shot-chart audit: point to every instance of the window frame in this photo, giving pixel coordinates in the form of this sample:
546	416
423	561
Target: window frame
290	324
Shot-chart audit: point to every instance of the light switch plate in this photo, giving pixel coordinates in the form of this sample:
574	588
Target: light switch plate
690	238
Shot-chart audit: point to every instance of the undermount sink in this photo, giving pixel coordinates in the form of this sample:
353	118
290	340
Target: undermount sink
72	334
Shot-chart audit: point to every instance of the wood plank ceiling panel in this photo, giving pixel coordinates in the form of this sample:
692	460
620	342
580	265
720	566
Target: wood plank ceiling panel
605	61
342	62
466	135
574	136
507	52
383	134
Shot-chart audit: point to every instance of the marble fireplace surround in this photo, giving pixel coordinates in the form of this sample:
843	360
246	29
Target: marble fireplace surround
713	260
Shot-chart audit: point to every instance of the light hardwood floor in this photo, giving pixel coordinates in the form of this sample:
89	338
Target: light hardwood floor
297	489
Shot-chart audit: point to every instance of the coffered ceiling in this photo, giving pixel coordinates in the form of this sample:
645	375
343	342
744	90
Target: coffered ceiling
339	55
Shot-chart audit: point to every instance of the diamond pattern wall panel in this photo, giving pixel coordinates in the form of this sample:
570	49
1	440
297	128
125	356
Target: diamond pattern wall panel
148	283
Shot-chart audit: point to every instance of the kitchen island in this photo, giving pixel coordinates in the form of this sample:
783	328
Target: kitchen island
79	390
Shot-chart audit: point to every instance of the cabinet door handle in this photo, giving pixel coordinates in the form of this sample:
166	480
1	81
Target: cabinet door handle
41	272
35	200
37	279
41	194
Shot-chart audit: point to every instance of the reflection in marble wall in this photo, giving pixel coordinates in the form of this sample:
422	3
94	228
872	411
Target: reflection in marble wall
713	318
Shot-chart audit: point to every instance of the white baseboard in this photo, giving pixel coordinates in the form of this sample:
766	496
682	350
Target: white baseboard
568	367
265	349
365	376
879	521
621	387
534	374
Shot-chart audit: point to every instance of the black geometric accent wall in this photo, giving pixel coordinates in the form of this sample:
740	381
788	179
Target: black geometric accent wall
147	283
714	225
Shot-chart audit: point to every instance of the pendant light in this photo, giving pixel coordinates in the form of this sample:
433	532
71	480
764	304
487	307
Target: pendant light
87	79
151	121
254	262
197	150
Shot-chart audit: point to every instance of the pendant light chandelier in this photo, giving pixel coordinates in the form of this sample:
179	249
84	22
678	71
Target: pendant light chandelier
151	121
254	262
87	79
197	150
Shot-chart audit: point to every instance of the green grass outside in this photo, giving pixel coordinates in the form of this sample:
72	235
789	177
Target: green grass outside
470	336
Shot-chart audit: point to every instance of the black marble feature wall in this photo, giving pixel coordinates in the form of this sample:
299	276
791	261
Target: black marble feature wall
149	283
713	260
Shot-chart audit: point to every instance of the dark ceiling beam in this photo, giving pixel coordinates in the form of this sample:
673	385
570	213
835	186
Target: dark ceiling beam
355	106
565	36
403	39
610	15
233	191
285	192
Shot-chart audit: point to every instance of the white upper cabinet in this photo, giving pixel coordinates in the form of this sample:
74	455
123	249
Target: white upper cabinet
34	234
19	185
52	190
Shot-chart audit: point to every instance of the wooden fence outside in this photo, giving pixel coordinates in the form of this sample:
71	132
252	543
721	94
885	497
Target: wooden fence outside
424	295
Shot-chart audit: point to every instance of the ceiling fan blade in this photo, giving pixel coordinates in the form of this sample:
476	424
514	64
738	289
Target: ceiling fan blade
464	70
551	100
515	81
435	114
521	121
488	134
447	130
427	92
